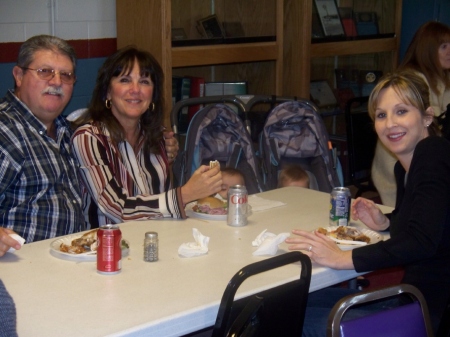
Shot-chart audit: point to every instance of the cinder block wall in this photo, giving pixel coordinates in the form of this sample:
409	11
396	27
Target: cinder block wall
89	25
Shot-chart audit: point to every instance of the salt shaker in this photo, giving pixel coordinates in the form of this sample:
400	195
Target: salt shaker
151	247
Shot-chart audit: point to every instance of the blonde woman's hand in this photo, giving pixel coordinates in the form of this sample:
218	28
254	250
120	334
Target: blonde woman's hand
320	249
370	214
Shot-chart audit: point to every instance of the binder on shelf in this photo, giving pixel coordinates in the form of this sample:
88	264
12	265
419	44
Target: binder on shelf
225	88
197	90
366	23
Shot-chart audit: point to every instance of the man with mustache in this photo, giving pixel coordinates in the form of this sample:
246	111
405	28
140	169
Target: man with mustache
40	195
39	191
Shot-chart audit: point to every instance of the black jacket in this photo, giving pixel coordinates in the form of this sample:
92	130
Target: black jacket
419	227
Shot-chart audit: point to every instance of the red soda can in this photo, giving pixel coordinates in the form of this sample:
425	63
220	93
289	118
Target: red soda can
237	206
109	252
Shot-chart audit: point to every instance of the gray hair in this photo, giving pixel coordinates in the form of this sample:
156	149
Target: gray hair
44	42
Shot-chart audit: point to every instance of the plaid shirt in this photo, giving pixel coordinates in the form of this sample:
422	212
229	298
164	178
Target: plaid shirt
39	190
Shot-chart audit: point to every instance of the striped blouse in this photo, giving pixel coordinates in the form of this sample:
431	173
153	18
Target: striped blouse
120	186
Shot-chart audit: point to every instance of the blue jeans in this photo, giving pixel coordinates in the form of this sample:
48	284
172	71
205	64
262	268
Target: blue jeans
322	301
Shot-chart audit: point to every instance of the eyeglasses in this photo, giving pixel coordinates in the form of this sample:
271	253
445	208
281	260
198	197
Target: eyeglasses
47	74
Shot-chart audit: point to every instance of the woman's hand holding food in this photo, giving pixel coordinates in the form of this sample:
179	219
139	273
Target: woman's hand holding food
320	249
370	214
204	182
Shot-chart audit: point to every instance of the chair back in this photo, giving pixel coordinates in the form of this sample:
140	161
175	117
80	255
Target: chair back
408	320
361	142
277	311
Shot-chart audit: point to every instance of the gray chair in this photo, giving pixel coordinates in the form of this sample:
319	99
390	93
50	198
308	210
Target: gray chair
408	320
277	311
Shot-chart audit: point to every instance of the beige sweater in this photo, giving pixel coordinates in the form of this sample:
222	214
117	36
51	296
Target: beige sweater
384	161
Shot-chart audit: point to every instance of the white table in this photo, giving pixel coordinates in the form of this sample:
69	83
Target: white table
171	297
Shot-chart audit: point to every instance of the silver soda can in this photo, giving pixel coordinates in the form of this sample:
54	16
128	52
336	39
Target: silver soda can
340	199
237	206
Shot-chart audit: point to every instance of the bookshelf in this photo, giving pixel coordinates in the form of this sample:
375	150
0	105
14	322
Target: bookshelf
284	66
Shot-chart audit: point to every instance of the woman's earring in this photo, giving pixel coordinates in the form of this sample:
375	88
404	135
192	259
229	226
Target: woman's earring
152	106
108	104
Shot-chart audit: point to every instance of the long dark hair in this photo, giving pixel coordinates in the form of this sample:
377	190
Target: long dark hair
422	54
122	62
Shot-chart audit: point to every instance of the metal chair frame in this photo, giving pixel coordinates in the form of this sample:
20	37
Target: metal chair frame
244	316
335	318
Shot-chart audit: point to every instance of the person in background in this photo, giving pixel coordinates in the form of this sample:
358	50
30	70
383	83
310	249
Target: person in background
293	175
120	148
8	316
40	194
230	177
428	55
419	225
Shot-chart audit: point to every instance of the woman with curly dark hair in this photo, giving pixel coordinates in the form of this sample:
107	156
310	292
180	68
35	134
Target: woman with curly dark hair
121	151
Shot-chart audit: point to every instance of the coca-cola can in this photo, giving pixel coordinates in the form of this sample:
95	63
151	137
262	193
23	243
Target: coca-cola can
237	206
109	252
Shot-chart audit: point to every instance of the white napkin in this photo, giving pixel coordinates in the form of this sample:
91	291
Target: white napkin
199	247
260	204
19	239
268	242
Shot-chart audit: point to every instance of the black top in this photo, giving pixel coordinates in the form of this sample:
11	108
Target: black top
419	227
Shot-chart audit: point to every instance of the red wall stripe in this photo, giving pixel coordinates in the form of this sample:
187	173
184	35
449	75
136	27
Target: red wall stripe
84	49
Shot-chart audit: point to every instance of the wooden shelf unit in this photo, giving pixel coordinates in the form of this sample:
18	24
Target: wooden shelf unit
283	67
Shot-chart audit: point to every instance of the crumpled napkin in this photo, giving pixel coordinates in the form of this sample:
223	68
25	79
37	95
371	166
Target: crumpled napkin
199	247
268	242
19	239
260	204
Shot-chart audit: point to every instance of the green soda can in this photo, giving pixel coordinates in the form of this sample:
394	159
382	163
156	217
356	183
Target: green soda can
340	199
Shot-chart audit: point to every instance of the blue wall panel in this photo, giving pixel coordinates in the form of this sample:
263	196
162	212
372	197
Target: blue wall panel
417	12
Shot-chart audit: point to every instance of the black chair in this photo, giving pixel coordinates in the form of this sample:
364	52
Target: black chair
408	320
444	326
361	143
277	311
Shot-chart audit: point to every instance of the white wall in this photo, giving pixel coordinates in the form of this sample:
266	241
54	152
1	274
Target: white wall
72	19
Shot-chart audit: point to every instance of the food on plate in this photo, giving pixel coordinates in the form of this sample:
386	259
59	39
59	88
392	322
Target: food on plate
345	233
210	205
213	163
85	243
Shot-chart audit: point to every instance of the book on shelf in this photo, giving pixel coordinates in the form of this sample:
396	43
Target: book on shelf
181	89
346	14
197	90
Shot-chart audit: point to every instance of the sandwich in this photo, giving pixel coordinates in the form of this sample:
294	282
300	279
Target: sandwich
210	205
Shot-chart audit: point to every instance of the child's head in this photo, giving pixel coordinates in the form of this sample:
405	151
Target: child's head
293	175
230	177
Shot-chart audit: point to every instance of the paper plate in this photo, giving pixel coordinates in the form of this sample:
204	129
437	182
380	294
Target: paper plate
344	244
88	256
